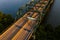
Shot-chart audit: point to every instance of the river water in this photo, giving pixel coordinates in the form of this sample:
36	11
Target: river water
53	16
11	6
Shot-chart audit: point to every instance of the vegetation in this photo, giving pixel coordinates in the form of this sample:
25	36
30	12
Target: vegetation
47	32
5	21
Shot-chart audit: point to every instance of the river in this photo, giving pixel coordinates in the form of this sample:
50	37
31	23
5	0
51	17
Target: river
53	16
11	6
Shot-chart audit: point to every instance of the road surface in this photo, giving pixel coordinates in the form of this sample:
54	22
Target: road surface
7	35
26	30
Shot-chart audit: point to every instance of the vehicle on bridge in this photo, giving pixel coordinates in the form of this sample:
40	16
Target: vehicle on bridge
33	19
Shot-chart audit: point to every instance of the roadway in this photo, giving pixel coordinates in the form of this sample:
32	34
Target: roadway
26	29
22	29
7	35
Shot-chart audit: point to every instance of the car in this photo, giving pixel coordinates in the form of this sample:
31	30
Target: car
30	18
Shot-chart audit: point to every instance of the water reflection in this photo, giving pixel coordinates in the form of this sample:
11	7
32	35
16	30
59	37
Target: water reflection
54	15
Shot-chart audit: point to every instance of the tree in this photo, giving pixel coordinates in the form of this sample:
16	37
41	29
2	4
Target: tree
5	21
1	27
44	32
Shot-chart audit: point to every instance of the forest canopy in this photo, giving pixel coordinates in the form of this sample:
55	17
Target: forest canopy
46	32
5	21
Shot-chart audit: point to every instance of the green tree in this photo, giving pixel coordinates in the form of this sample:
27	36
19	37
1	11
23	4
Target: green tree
5	21
44	32
1	27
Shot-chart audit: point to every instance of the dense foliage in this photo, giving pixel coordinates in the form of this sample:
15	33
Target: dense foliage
5	21
47	32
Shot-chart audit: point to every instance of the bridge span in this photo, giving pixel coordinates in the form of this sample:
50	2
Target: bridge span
23	28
